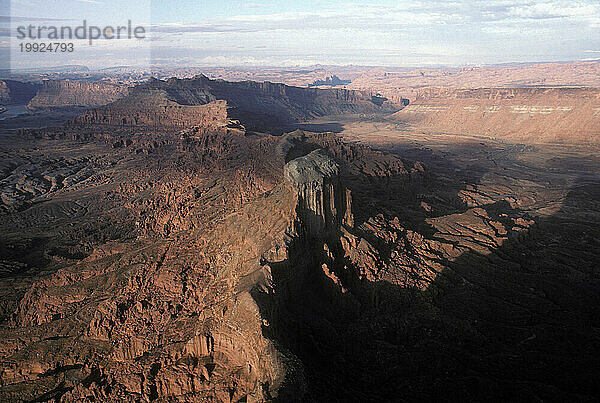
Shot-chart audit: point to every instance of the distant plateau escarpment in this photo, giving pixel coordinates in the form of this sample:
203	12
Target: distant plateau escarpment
537	115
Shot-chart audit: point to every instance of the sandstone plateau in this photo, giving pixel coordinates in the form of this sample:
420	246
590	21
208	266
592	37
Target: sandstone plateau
51	102
204	240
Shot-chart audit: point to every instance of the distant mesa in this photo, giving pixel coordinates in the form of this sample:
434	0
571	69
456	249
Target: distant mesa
75	94
59	94
330	81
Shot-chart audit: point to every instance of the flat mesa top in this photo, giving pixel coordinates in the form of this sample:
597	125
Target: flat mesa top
311	168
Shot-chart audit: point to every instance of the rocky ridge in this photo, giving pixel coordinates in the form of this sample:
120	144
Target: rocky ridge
178	285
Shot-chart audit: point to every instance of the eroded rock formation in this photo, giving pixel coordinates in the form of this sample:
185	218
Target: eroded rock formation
323	202
16	92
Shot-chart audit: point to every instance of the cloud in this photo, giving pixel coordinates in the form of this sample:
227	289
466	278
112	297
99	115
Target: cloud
408	15
396	33
6	19
183	28
431	31
252	5
306	21
551	10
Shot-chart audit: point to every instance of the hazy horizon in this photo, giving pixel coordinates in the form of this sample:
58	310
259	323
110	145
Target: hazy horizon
335	33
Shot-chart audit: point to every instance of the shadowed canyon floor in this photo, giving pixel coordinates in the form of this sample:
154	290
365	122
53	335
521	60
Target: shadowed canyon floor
372	262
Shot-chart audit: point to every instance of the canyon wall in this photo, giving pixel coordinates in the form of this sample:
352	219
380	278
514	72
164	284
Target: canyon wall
156	114
210	269
183	310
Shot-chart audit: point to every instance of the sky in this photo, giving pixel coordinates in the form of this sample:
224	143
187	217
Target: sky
303	33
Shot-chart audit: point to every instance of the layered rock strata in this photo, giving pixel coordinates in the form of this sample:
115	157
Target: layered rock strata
15	92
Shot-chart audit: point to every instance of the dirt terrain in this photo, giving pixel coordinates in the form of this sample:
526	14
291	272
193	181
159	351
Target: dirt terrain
359	257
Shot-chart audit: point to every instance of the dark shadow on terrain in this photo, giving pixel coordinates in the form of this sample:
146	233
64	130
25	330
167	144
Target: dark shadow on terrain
51	118
21	92
334	127
402	195
24	253
520	324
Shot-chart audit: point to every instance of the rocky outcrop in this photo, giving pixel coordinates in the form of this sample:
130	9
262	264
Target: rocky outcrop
207	266
323	202
173	308
69	94
166	313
